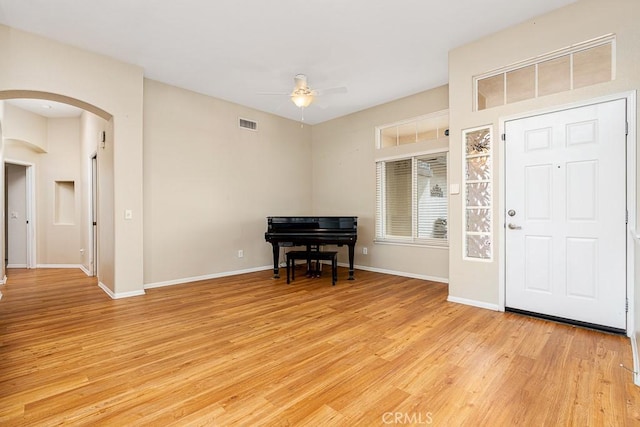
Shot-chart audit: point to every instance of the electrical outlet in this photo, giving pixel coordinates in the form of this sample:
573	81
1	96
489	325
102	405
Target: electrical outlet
365	251
240	253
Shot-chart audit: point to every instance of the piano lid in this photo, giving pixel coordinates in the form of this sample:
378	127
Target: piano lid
285	223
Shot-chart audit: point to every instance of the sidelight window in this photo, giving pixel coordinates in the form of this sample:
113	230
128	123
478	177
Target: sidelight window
478	196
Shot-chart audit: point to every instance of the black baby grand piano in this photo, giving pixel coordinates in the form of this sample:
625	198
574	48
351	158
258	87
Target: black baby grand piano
311	230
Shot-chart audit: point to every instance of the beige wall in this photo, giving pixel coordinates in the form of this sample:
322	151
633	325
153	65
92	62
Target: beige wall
33	63
344	181
21	125
209	185
479	282
59	240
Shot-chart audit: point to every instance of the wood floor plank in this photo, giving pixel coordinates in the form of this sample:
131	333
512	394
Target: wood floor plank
250	350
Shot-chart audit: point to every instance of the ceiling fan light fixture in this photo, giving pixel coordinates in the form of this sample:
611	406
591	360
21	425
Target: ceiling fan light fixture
302	100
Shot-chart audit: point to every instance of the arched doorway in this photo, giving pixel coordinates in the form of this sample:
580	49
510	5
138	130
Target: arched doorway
71	200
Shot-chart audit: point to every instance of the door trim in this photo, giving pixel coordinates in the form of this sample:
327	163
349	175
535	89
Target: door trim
30	171
630	98
93	214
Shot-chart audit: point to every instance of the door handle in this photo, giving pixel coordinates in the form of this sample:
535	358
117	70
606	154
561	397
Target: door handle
514	227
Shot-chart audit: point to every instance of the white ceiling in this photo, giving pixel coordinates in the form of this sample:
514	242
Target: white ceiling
48	109
380	50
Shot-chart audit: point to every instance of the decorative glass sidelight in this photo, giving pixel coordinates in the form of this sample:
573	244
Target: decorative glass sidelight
478	198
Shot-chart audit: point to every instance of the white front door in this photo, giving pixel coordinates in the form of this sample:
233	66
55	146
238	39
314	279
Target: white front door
565	214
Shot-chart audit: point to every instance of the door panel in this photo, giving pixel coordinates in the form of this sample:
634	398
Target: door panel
565	244
538	258
16	198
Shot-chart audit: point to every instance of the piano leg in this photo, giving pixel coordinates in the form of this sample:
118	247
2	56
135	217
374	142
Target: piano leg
276	260
352	249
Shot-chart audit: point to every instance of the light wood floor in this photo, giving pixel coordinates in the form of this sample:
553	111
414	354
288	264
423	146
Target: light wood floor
250	350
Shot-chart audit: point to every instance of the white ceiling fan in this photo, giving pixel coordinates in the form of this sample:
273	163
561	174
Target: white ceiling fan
302	95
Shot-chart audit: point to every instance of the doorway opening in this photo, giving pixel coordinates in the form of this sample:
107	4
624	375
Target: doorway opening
19	192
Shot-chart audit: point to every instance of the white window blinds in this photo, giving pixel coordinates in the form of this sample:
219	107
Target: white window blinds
412	203
431	197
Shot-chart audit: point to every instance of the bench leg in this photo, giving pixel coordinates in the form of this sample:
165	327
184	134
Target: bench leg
288	268
334	270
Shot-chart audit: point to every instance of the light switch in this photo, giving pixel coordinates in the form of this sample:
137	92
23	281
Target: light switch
454	189
128	214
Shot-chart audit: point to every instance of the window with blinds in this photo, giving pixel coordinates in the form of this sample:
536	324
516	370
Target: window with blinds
411	203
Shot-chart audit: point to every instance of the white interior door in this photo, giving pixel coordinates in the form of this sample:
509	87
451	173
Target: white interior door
16	199
20	242
566	214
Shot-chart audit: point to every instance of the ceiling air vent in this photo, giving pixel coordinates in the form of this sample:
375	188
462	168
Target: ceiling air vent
247	124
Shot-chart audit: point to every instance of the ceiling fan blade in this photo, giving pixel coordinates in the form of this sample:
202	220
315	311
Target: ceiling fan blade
321	103
281	105
274	93
331	90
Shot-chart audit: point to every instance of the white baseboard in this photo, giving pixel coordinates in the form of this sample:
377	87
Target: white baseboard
121	294
397	273
59	266
85	270
205	277
16	265
269	267
636	358
474	303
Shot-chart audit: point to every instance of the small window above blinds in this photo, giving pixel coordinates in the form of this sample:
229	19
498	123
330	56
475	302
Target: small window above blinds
419	129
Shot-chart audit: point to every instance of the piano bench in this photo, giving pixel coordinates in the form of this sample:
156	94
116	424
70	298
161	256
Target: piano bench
312	256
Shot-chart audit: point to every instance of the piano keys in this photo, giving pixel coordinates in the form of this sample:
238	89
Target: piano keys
311	230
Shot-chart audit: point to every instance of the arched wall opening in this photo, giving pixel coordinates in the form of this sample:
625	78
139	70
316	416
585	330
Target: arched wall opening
35	94
93	193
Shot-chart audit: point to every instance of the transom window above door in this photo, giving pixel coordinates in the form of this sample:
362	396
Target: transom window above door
576	66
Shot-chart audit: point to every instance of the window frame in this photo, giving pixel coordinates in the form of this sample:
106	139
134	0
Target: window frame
380	208
570	51
435	117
